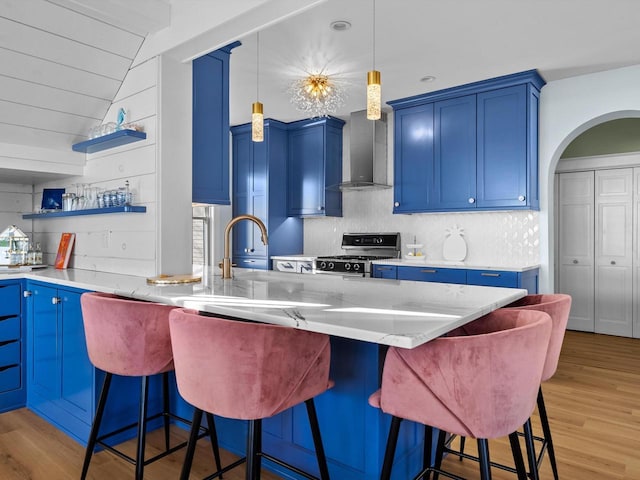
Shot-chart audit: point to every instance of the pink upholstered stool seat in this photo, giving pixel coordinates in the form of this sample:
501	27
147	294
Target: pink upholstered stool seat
483	386
131	338
558	307
248	371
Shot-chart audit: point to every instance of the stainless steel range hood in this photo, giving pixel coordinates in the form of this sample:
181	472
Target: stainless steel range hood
368	153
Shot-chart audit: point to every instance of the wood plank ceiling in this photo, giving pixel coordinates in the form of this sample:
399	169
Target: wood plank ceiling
61	65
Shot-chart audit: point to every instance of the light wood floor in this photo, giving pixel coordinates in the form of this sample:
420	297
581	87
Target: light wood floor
593	402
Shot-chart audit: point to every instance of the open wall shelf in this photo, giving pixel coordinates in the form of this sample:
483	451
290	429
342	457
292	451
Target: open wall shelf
87	211
115	139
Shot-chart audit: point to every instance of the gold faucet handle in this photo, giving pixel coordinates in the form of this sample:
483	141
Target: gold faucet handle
220	264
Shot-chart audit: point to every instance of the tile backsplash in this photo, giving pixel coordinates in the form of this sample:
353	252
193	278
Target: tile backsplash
500	238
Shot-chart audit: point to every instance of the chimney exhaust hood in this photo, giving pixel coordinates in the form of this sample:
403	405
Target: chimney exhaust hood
368	153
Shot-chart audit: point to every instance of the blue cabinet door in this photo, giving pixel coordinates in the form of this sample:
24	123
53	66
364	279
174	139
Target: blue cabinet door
502	148
306	171
210	149
433	274
413	158
384	271
43	362
454	179
315	168
76	371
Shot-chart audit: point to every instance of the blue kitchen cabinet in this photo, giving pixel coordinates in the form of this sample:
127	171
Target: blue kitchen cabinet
527	279
315	168
414	157
454	173
12	346
504	278
62	384
384	271
432	274
259	188
210	148
485	147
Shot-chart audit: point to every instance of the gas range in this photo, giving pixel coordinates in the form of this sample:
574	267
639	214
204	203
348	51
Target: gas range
364	247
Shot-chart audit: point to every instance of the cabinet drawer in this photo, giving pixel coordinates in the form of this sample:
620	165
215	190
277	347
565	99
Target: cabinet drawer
384	271
492	278
9	299
10	353
432	274
9	328
9	378
245	262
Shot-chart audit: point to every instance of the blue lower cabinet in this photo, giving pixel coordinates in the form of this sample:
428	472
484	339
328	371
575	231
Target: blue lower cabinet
354	434
384	271
433	274
12	357
501	278
63	386
527	280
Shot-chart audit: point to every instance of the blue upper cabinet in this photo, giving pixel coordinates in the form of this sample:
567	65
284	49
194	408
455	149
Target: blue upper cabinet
454	176
315	163
259	188
210	157
413	152
504	150
484	141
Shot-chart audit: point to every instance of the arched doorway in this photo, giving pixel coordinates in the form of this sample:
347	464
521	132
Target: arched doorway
597	185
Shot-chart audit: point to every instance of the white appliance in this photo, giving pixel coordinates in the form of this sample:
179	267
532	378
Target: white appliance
293	263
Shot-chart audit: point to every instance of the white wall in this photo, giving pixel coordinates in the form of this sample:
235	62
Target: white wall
159	178
567	108
15	200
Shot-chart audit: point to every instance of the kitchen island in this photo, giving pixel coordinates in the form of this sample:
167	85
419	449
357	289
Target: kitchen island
362	315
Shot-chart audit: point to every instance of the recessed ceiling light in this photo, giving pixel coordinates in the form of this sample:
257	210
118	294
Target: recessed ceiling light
340	25
428	78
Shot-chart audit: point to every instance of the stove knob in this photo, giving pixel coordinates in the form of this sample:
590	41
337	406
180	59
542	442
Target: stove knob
331	266
347	266
323	265
356	266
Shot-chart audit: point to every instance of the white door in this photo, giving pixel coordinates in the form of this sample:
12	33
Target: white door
636	253
576	251
613	251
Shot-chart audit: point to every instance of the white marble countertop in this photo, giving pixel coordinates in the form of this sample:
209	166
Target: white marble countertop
390	312
424	262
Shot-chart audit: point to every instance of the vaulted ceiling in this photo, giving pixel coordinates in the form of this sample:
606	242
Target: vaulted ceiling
63	61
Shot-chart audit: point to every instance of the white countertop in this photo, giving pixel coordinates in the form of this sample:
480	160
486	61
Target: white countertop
423	262
390	312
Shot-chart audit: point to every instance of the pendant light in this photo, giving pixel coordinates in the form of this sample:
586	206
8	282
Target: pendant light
257	117
374	93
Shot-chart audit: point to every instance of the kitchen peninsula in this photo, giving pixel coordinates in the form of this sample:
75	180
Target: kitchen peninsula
361	314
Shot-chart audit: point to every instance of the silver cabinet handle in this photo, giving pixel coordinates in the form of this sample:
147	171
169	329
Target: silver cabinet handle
55	300
521	198
320	208
486	274
613	262
249	261
383	268
575	261
27	293
396	204
471	200
428	271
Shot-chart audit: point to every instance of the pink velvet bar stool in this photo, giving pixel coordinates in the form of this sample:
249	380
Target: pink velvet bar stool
483	386
558	307
249	371
131	338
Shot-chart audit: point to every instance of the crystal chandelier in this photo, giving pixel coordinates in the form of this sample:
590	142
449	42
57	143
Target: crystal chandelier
317	94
